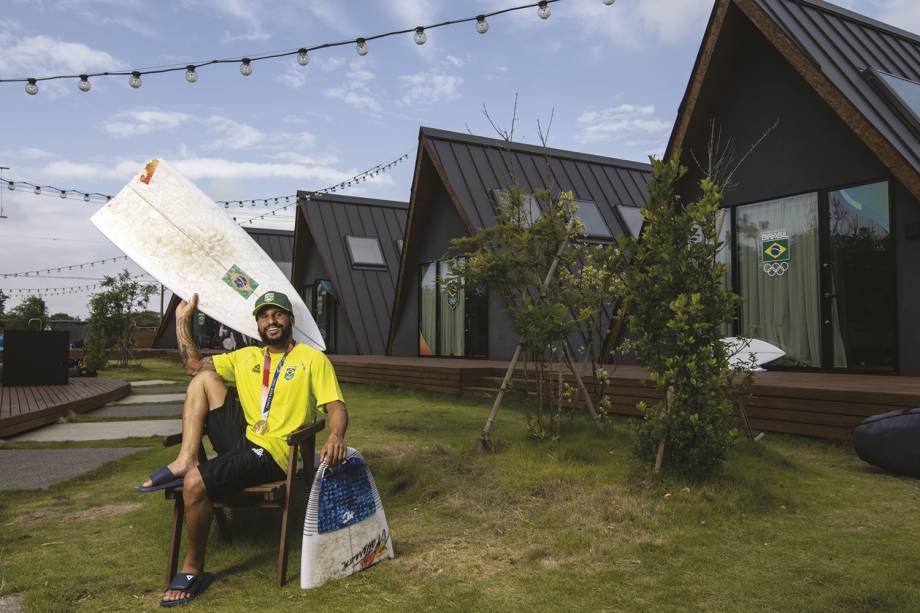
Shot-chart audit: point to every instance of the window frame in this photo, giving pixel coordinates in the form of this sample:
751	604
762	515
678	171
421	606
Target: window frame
365	265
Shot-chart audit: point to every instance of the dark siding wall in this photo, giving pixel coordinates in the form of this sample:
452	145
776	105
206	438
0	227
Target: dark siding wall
748	87
311	268
436	222
907	211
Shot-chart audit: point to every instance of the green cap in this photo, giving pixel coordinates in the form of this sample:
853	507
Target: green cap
273	299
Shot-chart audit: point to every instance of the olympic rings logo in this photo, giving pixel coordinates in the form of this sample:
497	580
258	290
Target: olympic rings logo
776	269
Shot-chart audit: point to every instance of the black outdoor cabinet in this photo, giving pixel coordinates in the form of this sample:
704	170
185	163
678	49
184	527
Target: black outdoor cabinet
33	357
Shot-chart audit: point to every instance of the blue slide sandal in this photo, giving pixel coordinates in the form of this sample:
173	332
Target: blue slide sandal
161	478
192	585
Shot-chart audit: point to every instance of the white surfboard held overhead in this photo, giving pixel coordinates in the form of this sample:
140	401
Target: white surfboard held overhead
176	233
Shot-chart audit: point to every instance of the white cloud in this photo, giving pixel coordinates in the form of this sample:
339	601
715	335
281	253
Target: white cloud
294	75
233	135
34	153
331	14
37	56
626	121
430	87
354	99
632	24
137	122
413	12
455	61
904	14
359	74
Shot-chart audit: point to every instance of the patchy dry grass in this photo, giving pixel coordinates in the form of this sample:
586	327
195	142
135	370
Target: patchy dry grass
790	524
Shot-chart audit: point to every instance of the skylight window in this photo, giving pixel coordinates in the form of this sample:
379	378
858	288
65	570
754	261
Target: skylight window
365	251
632	215
594	224
903	92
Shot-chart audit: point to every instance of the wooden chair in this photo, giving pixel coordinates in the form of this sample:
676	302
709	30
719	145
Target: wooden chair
278	495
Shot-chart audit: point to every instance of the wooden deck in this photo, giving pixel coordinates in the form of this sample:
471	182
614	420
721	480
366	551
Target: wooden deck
810	404
28	407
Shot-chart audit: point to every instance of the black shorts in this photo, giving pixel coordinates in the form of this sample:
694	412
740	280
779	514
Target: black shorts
239	462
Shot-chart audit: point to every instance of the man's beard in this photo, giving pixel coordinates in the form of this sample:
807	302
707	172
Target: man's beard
287	331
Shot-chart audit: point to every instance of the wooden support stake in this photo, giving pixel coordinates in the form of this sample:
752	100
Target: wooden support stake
581	385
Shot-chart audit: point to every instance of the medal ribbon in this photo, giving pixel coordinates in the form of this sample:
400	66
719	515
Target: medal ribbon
269	392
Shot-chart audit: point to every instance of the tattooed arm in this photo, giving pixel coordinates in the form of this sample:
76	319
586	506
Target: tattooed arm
188	350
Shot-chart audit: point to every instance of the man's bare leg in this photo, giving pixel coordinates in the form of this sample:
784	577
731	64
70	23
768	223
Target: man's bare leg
206	392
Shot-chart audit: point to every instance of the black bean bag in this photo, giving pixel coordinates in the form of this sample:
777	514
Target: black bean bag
891	441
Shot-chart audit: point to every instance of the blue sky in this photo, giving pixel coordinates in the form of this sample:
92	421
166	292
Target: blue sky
612	76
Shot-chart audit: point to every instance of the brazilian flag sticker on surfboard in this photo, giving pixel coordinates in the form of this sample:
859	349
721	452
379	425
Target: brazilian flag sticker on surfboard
240	281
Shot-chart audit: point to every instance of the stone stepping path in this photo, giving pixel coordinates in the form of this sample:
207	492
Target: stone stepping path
32	469
101	430
138	410
150	399
160	389
150	382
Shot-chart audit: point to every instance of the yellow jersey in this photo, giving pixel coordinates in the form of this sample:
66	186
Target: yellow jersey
305	385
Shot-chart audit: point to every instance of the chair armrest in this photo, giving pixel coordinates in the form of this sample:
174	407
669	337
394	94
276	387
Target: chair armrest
302	435
172	439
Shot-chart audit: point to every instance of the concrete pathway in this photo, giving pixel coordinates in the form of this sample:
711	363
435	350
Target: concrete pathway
32	469
150	382
38	468
101	431
138	410
150	398
160	389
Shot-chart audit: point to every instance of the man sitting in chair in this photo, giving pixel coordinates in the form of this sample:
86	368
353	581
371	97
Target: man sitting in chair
280	389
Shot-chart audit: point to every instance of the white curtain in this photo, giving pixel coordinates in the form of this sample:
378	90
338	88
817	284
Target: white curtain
783	309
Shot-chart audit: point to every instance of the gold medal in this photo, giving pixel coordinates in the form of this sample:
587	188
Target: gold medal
260	427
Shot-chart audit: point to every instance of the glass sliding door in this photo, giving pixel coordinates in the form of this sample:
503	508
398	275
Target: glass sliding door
325	313
452	303
860	282
428	309
777	251
452	321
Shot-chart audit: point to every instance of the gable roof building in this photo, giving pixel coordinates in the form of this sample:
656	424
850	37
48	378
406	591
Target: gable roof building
824	216
346	260
453	194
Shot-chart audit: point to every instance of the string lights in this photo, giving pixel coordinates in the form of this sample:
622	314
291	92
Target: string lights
420	34
75	194
51	190
36	273
70	289
361	176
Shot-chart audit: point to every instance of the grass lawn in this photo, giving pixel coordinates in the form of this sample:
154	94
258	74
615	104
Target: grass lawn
789	525
147	369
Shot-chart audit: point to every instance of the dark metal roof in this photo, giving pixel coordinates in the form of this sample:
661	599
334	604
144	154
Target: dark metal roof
843	44
475	166
365	293
278	244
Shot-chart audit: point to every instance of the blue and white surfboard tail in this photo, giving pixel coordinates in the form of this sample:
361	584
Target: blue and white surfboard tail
345	529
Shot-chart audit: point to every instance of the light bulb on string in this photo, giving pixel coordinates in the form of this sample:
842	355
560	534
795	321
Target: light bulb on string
303	56
361	46
86	199
11	186
482	26
191	75
37	190
543	11
63	194
135	80
31	87
84	83
246	67
420	37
